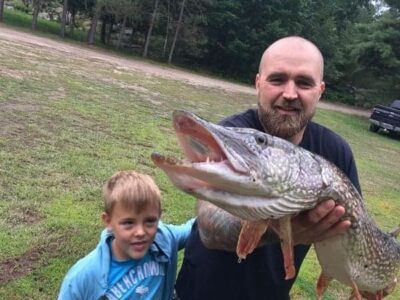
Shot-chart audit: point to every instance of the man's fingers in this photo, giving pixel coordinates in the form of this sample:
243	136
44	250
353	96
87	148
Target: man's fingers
329	220
320	211
310	236
309	219
322	222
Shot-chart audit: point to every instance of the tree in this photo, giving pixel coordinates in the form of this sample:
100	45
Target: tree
1	10
393	4
122	10
167	26
95	18
83	8
239	31
375	53
153	18
36	9
64	17
178	26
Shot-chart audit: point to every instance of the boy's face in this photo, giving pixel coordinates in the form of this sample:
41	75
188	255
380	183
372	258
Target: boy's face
134	233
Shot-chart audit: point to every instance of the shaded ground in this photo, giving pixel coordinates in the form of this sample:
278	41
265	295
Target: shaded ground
7	33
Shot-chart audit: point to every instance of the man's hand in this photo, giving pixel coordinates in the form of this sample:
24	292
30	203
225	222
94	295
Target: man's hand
322	222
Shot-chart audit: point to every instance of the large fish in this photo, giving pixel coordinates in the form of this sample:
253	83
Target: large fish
258	177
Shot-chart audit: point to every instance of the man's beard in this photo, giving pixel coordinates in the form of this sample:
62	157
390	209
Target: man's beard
284	126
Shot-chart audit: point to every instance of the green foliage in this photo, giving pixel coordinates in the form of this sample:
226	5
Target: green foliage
375	52
21	6
236	40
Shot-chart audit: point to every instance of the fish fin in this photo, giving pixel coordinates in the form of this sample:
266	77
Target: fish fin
394	232
379	295
355	293
322	284
250	236
285	235
372	296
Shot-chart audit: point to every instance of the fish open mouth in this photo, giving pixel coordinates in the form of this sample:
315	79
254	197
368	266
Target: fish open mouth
198	143
205	154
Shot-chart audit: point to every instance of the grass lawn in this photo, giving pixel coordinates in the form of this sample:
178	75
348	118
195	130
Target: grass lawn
67	123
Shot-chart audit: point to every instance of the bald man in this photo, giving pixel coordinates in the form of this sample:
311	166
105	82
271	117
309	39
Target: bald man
289	85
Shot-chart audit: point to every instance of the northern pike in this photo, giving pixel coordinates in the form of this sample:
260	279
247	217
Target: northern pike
258	177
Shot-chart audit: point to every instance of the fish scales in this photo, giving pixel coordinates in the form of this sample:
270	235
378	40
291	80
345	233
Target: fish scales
256	177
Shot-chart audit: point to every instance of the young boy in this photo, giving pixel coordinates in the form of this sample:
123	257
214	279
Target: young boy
136	257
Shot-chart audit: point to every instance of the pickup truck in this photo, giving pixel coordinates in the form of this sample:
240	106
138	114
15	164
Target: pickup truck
386	118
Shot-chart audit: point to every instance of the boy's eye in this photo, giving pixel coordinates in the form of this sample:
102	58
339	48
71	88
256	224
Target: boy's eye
151	221
127	223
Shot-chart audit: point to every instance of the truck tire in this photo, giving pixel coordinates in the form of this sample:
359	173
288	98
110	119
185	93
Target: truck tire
373	127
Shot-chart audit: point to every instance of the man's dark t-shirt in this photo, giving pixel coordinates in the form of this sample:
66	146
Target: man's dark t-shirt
216	275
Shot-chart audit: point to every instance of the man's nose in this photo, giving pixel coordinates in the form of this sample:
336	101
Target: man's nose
290	90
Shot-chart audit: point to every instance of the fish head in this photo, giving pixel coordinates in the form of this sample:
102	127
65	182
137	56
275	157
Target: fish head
244	171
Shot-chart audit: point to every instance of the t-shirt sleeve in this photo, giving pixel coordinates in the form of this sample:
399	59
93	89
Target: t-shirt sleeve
351	169
181	232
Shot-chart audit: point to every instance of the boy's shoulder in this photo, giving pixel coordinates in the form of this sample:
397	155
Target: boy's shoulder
92	265
170	236
169	230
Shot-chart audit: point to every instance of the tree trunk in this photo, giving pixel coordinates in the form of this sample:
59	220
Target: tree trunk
72	23
1	10
36	8
167	30
153	18
109	29
103	30
92	30
178	26
122	30
64	17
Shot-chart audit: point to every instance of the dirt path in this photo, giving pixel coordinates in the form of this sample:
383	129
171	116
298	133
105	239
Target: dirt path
7	33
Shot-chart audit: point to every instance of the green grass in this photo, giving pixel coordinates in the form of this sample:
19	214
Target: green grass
24	21
67	123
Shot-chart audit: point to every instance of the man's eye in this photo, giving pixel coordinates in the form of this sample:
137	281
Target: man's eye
276	81
305	84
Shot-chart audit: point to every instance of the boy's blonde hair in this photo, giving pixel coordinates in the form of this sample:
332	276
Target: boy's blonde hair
132	190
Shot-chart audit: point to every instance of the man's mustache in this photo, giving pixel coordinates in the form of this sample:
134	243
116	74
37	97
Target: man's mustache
290	104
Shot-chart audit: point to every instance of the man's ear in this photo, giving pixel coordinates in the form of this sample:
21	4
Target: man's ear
106	218
257	81
322	87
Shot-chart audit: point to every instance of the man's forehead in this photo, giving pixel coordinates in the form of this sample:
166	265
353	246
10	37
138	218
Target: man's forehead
291	43
292	61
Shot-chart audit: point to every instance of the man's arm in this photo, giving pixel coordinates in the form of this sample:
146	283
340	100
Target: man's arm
220	230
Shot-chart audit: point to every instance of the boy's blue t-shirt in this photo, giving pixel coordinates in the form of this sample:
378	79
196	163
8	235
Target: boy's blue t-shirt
136	279
88	279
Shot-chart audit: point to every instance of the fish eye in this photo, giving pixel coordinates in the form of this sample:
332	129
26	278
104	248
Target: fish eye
261	139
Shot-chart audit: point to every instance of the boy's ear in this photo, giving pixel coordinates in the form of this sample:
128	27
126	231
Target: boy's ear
106	218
